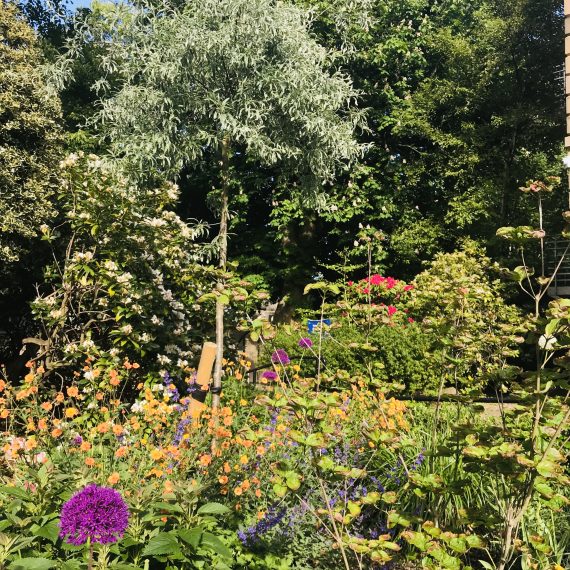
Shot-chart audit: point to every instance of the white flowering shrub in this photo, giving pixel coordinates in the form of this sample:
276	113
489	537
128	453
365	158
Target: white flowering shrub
126	275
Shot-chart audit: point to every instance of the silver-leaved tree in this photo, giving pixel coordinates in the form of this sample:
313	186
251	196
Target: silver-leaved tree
183	81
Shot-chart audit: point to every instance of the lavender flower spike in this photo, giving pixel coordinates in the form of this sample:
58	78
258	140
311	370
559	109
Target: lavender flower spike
95	514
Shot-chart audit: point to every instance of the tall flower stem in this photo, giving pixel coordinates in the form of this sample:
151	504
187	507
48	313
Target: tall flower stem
90	559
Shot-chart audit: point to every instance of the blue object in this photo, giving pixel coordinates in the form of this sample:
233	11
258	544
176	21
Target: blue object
312	323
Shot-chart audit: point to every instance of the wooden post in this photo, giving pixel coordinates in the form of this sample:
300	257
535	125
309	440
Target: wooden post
203	376
567	70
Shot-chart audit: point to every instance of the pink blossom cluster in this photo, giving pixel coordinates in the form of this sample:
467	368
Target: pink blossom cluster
379	288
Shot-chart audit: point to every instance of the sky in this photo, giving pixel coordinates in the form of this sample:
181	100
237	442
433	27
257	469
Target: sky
73	4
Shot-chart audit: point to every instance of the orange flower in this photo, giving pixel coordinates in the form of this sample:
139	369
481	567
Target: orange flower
223	479
260	450
227	467
258	493
31	426
121	452
103	427
60	397
4	414
42	424
243	460
156	454
22	394
89	461
31	443
73	392
2	385
29	378
71	412
136	365
99	396
114	478
47	406
56	432
118	430
85	446
205	459
238	491
246	485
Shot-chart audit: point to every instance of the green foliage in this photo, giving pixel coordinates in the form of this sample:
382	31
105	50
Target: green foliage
29	137
460	304
394	356
180	82
127	281
30	148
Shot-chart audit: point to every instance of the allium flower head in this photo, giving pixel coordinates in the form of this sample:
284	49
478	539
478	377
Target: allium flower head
280	357
95	513
305	343
269	374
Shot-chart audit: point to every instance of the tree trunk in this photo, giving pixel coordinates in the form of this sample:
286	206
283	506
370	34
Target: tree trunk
223	243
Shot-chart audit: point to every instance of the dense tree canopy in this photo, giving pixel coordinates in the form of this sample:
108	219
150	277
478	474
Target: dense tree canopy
30	147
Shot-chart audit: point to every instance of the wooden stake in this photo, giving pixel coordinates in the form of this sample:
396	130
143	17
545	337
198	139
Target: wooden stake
203	376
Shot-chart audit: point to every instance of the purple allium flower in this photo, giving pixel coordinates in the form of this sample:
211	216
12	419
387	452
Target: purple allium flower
269	375
77	440
280	357
305	343
98	514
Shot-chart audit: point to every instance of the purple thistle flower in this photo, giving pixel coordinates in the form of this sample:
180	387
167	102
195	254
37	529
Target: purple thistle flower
280	357
269	375
305	343
97	514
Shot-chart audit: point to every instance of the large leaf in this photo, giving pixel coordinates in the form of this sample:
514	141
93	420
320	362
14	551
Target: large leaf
50	530
32	564
213	509
212	541
163	543
16	492
191	536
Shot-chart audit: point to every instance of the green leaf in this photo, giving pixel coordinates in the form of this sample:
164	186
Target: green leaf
354	508
49	530
191	536
212	541
213	509
417	539
279	490
458	545
162	543
170	507
16	492
293	480
32	564
315	440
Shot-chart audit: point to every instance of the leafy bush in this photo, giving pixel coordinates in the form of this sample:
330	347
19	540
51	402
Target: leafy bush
126	279
460	304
